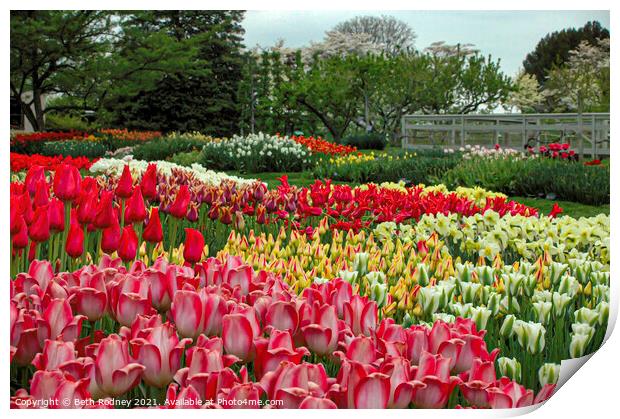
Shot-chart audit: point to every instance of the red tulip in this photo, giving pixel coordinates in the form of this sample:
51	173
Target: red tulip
125	184
508	394
75	239
135	211
55	353
193	247
105	216
128	246
20	239
39	230
178	209
148	184
111	236
35	174
86	210
57	215
195	313
41	194
58	322
360	315
67	182
226	215
153	232
372	392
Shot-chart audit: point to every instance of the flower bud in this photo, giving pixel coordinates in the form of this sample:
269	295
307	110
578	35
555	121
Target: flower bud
510	367
586	316
507	329
543	311
480	316
548	373
560	303
530	335
360	263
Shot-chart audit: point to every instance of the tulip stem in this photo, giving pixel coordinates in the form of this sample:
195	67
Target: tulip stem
65	233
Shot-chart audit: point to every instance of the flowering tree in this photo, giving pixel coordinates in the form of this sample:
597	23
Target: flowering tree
583	83
527	95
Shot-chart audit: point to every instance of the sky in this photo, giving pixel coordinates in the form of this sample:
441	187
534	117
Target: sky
507	35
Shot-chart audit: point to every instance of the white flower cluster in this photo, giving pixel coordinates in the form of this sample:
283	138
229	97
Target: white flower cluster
137	167
478	151
262	145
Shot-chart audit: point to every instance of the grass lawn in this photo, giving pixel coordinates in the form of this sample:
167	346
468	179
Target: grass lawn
544	206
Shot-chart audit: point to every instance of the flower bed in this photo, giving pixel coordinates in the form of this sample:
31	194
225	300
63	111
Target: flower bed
100	333
20	162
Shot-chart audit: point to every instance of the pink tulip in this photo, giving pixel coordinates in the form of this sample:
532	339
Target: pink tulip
282	315
373	392
271	352
508	394
59	323
183	398
195	313
114	372
238	336
360	315
311	402
55	354
480	377
160	351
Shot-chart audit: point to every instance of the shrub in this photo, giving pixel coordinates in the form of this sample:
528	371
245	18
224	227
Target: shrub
367	141
165	147
534	177
73	148
186	158
413	168
57	122
256	153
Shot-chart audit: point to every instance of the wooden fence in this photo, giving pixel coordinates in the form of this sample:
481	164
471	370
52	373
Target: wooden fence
587	133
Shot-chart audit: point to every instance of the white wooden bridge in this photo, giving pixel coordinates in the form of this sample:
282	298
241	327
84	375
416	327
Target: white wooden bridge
588	133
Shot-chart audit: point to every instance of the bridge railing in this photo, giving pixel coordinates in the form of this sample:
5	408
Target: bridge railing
587	133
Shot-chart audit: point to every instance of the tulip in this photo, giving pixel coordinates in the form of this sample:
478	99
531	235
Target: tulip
124	187
55	354
128	246
41	195
196	313
178	209
238	336
115	373
510	367
135	211
91	303
105	214
193	247
87	204
67	182
58	322
372	392
153	232
159	350
34	174
20	239
75	239
56	215
148	184
111	237
548	373
543	311
39	230
530	335
509	394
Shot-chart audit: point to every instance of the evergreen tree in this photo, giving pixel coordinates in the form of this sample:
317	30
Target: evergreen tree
202	96
553	50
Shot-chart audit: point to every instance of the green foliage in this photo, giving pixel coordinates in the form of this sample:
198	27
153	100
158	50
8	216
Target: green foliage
73	148
65	122
55	51
413	169
165	147
570	181
367	141
198	92
186	158
553	49
286	90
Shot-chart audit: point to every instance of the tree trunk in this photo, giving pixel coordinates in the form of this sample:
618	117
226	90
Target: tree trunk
38	110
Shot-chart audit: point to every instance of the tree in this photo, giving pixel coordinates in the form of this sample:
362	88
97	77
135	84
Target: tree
200	92
52	52
526	96
391	34
582	83
553	50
